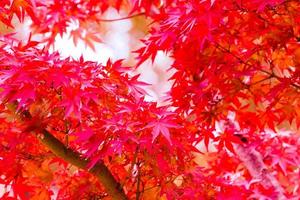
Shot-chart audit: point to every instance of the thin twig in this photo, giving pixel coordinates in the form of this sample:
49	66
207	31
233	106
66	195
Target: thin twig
122	18
138	193
262	80
246	63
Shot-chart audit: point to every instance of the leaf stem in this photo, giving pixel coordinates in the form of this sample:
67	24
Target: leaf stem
138	193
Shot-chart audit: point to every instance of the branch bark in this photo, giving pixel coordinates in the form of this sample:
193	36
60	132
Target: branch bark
99	170
113	188
254	163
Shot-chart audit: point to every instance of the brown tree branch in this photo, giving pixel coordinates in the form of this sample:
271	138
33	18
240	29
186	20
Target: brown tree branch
254	163
99	170
103	174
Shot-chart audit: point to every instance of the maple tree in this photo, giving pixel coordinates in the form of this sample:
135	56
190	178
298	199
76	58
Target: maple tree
76	129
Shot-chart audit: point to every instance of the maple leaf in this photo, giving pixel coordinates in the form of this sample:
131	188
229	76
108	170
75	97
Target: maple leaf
84	135
206	136
162	126
73	102
18	7
136	87
227	139
90	39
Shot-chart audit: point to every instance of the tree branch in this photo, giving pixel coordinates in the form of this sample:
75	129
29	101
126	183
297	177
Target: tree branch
253	161
99	170
102	173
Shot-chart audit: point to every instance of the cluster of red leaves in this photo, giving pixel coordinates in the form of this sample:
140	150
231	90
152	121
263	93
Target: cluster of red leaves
237	67
53	17
238	59
98	108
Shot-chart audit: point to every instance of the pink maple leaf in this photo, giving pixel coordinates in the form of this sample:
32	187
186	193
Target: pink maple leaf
162	126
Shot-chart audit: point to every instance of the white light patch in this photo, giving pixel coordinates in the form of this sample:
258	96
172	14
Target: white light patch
115	42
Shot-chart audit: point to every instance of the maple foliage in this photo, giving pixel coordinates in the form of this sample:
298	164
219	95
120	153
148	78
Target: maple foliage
236	90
